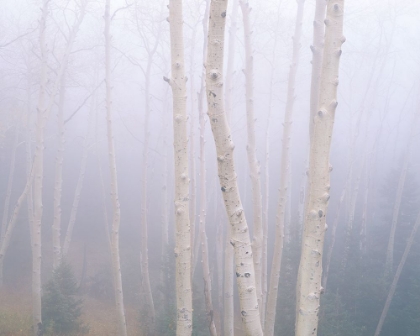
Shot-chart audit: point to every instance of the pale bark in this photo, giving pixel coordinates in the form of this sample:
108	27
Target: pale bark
317	51
202	220
254	169
284	189
193	188
116	218
228	311
38	168
397	277
144	253
240	239
310	268
58	183
182	220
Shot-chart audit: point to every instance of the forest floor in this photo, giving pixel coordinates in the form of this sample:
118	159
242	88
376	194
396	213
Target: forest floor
15	315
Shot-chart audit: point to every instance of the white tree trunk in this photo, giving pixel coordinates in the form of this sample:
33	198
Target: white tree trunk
115	253
202	219
284	179
38	171
310	267
144	253
397	277
193	188
240	239
317	48
58	184
228	309
182	220
254	169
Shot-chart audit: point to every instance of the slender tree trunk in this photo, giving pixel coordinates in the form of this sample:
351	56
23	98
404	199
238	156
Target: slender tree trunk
240	239
193	188
58	184
251	147
115	252
144	254
220	268
204	246
228	309
182	220
317	48
310	268
397	277
38	168
284	179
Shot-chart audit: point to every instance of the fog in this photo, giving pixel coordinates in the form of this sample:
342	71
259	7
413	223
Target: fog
112	200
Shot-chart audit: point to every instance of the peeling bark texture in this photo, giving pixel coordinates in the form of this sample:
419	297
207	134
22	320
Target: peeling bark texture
317	48
397	277
116	218
228	306
182	197
310	268
251	148
240	239
284	194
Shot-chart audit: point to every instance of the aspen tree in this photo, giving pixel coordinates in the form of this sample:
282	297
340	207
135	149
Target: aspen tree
317	51
193	183
58	183
150	49
397	277
228	309
240	239
310	268
38	171
254	169
202	220
182	220
284	179
116	218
